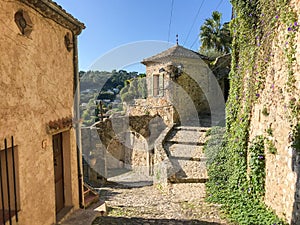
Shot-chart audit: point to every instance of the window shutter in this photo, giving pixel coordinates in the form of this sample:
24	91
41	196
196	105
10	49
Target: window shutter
155	86
161	85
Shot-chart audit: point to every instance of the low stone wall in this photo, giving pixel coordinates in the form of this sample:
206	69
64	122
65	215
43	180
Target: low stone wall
153	106
163	167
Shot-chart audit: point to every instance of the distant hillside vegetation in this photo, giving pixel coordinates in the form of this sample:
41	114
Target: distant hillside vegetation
102	86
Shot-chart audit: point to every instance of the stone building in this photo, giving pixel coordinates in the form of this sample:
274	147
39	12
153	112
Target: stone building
40	161
182	88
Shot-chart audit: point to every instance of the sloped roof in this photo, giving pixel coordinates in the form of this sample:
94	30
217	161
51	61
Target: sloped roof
176	51
52	10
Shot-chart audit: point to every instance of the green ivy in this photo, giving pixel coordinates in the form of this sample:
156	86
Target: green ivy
243	203
296	138
271	147
237	170
257	167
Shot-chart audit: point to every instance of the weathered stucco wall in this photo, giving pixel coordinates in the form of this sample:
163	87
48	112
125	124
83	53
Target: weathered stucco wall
272	113
36	87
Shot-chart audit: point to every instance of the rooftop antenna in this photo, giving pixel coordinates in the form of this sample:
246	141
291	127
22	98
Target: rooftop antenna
176	39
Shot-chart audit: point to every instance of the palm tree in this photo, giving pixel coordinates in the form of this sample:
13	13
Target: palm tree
214	35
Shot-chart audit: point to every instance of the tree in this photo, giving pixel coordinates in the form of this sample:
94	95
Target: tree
214	35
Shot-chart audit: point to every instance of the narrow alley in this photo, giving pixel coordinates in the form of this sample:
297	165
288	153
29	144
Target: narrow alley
181	201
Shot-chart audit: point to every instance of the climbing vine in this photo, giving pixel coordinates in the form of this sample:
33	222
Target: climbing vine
257	167
237	172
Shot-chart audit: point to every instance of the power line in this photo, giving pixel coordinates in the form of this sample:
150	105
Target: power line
221	1
219	5
194	21
194	42
170	20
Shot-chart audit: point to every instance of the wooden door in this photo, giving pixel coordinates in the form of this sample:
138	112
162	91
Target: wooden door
58	172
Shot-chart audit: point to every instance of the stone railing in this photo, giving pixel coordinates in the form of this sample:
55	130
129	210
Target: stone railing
163	167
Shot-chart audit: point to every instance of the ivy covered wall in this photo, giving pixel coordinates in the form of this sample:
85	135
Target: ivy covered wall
256	171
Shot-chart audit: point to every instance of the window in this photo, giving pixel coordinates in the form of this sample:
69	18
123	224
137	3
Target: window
9	183
158	85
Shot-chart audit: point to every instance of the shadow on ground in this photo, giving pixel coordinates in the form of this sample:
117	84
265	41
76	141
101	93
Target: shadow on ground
110	189
141	221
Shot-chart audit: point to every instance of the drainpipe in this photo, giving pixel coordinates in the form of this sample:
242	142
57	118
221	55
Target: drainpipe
76	92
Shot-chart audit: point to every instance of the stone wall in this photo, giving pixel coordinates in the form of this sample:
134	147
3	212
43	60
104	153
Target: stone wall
128	150
271	112
153	106
36	87
94	156
128	142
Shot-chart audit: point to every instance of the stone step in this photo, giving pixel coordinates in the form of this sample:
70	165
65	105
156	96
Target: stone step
183	150
190	128
189	169
188	180
200	159
187	136
196	143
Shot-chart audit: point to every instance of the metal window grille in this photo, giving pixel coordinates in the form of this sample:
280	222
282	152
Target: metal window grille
8	183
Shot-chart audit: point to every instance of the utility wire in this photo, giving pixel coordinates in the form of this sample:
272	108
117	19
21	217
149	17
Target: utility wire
196	39
221	1
195	19
170	20
219	5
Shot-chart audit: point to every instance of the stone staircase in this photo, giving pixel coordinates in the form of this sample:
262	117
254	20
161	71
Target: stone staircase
184	148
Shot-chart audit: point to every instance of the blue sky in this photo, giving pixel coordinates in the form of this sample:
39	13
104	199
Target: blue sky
114	23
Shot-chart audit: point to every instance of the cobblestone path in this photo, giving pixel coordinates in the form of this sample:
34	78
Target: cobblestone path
182	202
132	199
178	204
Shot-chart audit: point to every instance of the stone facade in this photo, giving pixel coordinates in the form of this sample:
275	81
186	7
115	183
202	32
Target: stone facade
181	89
271	112
37	97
